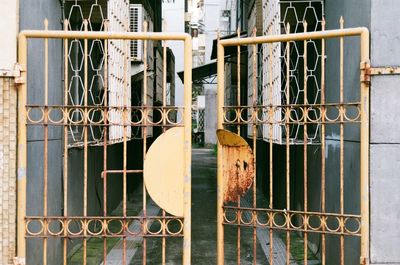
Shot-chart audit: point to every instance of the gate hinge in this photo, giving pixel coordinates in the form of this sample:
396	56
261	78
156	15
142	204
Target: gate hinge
18	69
365	68
387	70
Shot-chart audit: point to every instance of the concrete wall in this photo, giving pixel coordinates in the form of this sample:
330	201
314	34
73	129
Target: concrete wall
385	137
210	117
174	21
355	14
9	29
32	14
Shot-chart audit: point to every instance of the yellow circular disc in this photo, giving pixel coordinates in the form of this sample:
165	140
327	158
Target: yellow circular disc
163	171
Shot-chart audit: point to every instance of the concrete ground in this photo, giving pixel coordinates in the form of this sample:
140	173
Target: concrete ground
204	237
204	195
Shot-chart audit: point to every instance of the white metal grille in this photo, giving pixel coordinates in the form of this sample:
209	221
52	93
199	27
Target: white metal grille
276	15
118	70
95	20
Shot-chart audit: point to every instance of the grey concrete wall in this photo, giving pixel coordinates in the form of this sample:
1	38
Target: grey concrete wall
355	13
210	119
32	14
385	137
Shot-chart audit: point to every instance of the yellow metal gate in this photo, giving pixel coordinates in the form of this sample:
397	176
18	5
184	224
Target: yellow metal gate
48	232
296	230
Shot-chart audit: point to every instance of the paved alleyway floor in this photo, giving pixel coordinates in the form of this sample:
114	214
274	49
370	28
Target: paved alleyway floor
204	238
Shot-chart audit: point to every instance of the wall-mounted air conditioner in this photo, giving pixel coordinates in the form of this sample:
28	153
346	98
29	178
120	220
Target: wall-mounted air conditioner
137	15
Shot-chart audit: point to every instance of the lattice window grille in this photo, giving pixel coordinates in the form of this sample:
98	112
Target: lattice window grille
200	119
276	15
76	16
118	54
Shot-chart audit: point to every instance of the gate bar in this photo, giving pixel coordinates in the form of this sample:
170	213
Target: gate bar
327	34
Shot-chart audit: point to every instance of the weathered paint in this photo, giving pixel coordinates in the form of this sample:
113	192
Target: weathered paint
238	165
163	171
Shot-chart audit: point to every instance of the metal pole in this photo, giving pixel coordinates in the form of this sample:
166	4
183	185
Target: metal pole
220	104
364	149
21	173
187	186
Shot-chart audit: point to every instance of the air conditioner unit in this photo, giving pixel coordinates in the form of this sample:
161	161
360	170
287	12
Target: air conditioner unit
137	15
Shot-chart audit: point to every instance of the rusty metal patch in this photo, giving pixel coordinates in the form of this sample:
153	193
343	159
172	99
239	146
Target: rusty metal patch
238	165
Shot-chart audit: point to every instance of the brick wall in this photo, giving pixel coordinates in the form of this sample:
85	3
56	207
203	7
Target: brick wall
8	151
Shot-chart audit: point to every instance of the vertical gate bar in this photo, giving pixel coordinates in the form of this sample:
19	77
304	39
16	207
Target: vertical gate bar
305	143
164	129
288	110
238	83
124	159
254	146
45	140
22	152
271	114
323	164
85	142
65	162
238	130
145	115
187	188
220	117
105	143
364	149
341	22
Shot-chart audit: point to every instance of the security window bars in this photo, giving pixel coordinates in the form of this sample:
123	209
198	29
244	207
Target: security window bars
291	17
116	76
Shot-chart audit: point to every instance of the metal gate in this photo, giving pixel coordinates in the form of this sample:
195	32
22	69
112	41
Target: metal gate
290	168
102	128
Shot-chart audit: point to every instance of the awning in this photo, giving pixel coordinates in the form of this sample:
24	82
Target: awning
202	74
229	50
205	74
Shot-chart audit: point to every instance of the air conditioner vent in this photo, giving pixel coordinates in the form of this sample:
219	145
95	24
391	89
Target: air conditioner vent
136	25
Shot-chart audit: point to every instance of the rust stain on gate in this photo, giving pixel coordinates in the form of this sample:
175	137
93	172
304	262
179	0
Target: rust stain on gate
43	115
291	222
238	163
